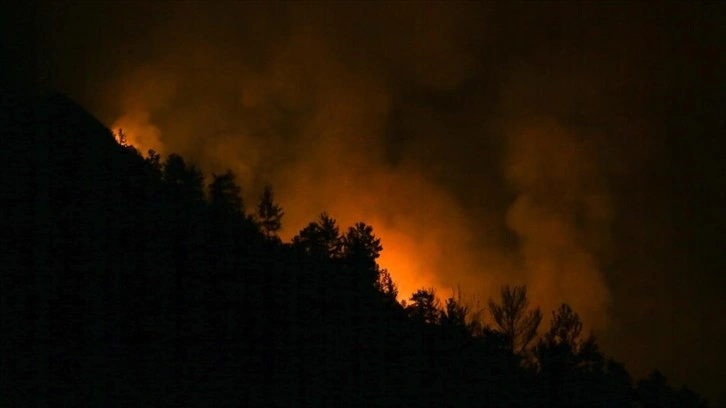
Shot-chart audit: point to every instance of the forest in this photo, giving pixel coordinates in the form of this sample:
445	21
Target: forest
131	279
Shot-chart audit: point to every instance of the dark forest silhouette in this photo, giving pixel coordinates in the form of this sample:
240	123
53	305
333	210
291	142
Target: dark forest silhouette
126	281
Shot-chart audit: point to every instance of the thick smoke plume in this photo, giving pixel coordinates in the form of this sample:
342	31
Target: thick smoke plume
310	124
315	123
486	144
561	213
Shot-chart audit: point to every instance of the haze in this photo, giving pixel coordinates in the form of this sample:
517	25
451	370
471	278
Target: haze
575	147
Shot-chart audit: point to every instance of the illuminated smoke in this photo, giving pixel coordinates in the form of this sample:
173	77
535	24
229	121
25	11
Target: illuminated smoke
312	123
487	144
560	203
142	92
139	131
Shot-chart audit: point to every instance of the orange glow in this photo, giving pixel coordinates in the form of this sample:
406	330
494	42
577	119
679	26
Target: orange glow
316	130
405	268
486	146
139	132
401	254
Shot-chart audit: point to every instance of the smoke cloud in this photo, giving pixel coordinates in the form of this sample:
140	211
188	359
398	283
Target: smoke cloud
315	123
561	212
486	144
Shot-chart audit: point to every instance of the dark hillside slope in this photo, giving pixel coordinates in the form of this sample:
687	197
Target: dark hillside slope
125	281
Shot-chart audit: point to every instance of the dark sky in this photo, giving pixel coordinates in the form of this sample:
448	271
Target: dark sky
574	147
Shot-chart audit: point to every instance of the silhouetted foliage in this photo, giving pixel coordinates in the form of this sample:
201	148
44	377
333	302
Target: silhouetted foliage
321	238
457	315
225	195
568	363
514	319
361	248
655	391
360	245
269	214
424	306
185	180
386	285
123	284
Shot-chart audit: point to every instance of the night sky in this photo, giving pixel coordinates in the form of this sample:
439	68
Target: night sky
573	147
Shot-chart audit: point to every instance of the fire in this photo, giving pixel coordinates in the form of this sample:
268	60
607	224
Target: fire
399	256
139	132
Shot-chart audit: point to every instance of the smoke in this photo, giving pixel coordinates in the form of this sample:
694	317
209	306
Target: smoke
315	120
560	214
486	144
144	91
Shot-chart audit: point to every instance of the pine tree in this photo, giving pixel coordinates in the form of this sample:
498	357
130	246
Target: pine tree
424	306
361	248
513	319
269	214
225	195
320	238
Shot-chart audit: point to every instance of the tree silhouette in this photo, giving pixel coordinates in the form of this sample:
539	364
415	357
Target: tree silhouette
269	214
361	248
123	283
514	319
186	180
616	385
424	306
564	330
460	316
386	285
655	391
568	362
320	238
330	236
153	160
359	244
225	195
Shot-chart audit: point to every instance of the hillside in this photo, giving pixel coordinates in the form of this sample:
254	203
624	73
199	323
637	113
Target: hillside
128	281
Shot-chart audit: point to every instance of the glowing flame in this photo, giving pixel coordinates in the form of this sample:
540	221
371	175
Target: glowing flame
399	256
138	131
